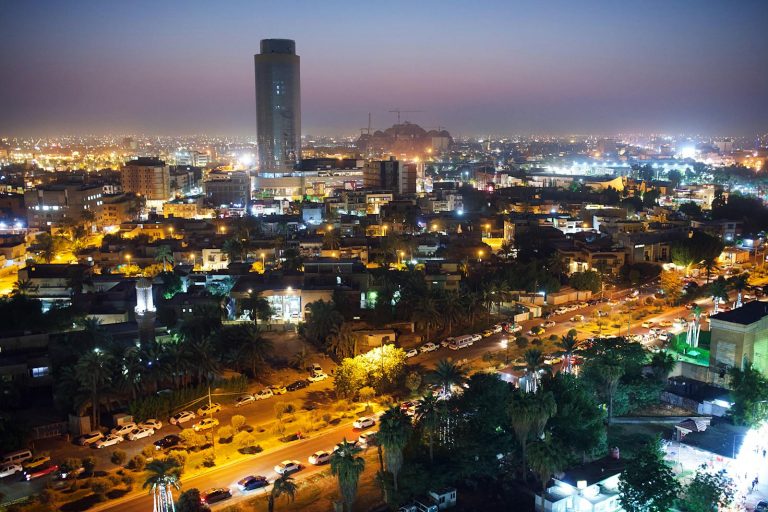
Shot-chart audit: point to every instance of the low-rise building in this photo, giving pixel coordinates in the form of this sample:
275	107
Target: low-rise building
591	487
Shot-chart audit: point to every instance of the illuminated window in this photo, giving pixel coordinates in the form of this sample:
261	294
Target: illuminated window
40	371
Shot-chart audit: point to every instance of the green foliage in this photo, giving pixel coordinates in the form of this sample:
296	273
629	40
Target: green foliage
413	382
750	396
322	319
697	248
647	483
380	368
589	280
100	488
237	421
119	457
88	464
137	463
246	442
225	434
709	492
189	501
192	439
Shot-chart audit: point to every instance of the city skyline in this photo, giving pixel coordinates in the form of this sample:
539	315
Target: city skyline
492	69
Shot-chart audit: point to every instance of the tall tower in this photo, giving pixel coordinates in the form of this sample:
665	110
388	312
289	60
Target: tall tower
278	105
145	310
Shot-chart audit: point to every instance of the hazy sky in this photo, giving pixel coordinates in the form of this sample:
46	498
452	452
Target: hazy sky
474	67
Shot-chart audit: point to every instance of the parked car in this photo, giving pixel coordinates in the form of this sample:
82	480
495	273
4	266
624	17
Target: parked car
110	440
428	347
319	457
299	384
214	495
264	394
412	353
515	328
536	330
36	462
168	441
477	337
244	400
447	341
141	433
151	423
209	409
182	417
363	422
577	318
278	389
646	325
486	333
561	310
10	469
497	328
252	482
549	324
31	474
318	376
665	323
287	467
205	424
89	438
354	445
124	430
315	368
367	438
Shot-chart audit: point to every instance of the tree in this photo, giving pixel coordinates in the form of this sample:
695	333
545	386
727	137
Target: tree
429	414
529	413
750	396
342	341
189	501
47	246
425	313
323	318
690	209
662	364
258	307
23	287
164	256
588	280
672	285
394	431
282	486
648	484
534	361
568	344
163	475
738	283
413	382
254	348
94	372
448	374
544	459
347	467
709	492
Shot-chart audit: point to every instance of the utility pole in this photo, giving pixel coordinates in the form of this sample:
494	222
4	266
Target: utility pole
213	436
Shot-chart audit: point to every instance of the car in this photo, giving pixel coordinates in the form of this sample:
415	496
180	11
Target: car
536	330
168	441
577	318
299	384
447	341
209	409
582	305
363	422
315	368
561	310
244	400
141	433
602	314
124	430
428	347
252	482
514	328
487	332
476	337
367	438
412	353
205	424
264	394
497	328
287	467
151	423
646	325
353	444
10	469
214	495
319	457
89	438
182	417
762	506
36	462
110	440
278	389
31	474
318	376
665	323
549	324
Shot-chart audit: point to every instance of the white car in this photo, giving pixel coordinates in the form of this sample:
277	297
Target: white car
367	438
364	422
428	347
245	400
205	424
264	394
182	417
317	376
497	328
110	440
320	457
90	438
549	324
447	341
10	469
124	430
140	433
516	328
412	353
315	367
151	423
287	467
476	337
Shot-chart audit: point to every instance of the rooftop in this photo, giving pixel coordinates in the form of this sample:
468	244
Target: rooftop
593	472
747	314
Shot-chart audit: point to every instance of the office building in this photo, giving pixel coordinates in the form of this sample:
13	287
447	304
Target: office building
228	188
278	105
50	204
390	175
148	177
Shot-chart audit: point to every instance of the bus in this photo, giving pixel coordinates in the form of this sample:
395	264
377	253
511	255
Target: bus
461	342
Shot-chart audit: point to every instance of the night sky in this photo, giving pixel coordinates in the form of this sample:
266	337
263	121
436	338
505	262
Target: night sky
475	67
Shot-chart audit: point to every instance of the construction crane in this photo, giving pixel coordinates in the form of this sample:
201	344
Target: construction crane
398	112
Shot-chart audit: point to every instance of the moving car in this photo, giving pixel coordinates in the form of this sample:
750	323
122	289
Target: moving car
31	474
140	433
287	467
497	328
278	389
367	438
363	422
110	440
412	353
209	409
245	400
318	376
428	347
320	457
515	328
89	438
549	324
214	496
486	333
252	482
182	417
124	430
10	469
577	318
36	462
205	424
264	394
151	423
299	384
168	441
646	325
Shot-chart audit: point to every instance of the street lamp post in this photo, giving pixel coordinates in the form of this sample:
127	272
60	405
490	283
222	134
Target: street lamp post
480	255
263	268
128	269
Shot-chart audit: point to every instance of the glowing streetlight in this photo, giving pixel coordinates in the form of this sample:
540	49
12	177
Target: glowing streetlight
384	227
262	261
400	255
434	227
222	230
480	255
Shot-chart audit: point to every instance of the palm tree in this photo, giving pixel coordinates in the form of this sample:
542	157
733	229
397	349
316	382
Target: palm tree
332	240
282	486
23	287
425	312
132	370
164	255
207	363
709	264
544	459
738	283
568	343
448	374
347	466
163	475
94	373
429	416
719	290
258	306
451	307
254	348
610	372
662	364
394	431
343	341
46	245
534	361
529	413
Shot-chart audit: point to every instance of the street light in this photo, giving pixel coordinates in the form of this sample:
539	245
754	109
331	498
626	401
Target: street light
480	255
128	259
400	255
262	262
384	226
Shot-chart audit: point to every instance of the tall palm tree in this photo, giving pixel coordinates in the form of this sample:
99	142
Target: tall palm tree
207	361
131	370
282	486
258	306
163	475
534	361
94	372
610	373
709	264
429	414
738	283
394	430
529	413
544	459
347	466
425	313
448	374
254	348
451	309
719	291
332	239
46	245
23	287
343	341
164	255
568	344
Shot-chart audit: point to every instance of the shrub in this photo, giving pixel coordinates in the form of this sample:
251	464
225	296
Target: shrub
149	452
71	464
225	434
119	457
209	460
89	464
179	457
191	438
113	480
46	497
246	442
327	417
137	463
238	422
536	342
128	482
100	488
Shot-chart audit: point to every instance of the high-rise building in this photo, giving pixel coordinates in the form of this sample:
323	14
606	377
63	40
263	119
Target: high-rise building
148	177
391	175
278	105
